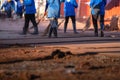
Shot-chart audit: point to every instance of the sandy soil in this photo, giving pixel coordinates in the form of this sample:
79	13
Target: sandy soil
98	61
60	63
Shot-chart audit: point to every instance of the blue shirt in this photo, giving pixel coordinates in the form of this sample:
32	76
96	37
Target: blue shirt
53	8
69	7
97	5
29	8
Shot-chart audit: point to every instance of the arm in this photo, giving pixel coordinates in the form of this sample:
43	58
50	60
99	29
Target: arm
3	5
46	6
74	3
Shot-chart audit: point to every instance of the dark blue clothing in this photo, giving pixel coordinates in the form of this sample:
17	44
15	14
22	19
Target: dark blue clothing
69	7
19	7
30	11
29	7
53	9
98	10
97	6
69	12
9	7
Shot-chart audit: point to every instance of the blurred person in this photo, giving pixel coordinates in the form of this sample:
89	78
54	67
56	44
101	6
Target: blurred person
53	13
69	12
98	11
9	7
30	10
19	8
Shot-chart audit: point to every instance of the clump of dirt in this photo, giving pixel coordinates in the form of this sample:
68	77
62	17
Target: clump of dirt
60	54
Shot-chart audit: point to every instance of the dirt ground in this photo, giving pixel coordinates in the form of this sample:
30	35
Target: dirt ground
67	62
84	61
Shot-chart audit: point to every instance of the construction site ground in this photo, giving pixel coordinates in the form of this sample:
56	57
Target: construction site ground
69	57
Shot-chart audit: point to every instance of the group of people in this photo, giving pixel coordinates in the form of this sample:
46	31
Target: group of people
53	9
53	13
97	12
12	7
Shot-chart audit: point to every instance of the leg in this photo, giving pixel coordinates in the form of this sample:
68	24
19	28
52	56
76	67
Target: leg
20	15
55	26
32	18
102	25
26	24
65	24
74	23
51	28
94	20
9	14
50	32
55	31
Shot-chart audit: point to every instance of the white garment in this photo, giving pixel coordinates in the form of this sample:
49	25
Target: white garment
68	0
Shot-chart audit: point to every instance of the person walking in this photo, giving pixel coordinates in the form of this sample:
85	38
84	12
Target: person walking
69	12
98	12
30	11
53	13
